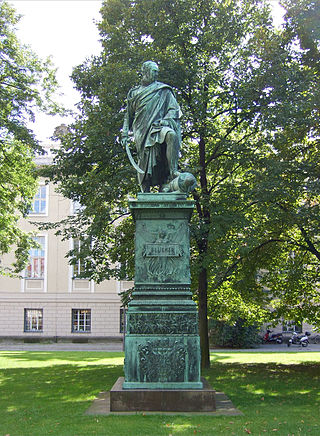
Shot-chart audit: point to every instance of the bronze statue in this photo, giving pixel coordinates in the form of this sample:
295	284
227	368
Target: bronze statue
153	115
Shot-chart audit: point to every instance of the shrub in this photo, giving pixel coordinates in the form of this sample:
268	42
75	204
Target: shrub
237	335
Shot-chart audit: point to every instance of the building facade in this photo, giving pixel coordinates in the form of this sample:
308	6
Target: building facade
48	301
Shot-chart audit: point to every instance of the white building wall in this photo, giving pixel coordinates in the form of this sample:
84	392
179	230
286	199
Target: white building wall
58	293
57	316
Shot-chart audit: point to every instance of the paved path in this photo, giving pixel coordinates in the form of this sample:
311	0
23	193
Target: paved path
272	348
66	346
117	346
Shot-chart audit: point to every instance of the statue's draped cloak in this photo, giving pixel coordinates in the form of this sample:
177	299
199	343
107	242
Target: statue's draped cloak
146	107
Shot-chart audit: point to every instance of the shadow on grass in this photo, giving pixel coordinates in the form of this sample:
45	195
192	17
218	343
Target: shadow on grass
65	356
49	394
263	385
52	399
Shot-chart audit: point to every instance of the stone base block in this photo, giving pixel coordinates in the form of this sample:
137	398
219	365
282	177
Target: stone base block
162	400
162	385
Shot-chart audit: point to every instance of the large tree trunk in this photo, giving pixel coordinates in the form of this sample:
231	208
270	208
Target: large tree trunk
204	216
203	318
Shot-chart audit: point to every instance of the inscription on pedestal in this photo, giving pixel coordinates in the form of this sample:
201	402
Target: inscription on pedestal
162	252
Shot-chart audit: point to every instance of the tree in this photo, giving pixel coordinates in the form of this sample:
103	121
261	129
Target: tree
294	274
26	84
238	81
286	190
302	22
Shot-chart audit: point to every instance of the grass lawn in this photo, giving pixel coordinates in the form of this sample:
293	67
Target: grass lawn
47	393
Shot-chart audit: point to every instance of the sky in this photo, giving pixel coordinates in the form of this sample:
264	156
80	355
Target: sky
66	31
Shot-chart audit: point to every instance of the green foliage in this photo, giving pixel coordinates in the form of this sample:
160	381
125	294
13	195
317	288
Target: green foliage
17	188
26	84
302	21
203	62
237	335
250	100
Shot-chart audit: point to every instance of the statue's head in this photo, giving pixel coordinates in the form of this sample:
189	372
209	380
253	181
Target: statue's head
149	72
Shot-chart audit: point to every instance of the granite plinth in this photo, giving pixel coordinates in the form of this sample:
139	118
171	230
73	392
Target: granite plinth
162	400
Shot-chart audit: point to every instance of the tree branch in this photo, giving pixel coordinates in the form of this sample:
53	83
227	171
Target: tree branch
234	266
223	178
310	245
213	155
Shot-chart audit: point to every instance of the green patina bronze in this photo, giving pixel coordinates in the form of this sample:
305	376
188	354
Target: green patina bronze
162	346
153	115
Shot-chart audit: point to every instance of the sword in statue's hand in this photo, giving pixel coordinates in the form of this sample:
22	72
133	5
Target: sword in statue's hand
124	142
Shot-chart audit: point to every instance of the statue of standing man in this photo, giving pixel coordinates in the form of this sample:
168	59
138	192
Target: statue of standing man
153	115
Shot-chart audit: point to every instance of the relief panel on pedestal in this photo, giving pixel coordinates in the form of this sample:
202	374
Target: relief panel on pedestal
162	253
162	323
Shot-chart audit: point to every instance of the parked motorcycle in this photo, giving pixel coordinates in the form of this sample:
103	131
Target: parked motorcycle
275	337
301	340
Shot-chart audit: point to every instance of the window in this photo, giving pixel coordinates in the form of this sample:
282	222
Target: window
290	326
33	320
81	320
78	267
77	282
76	207
36	266
40	202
